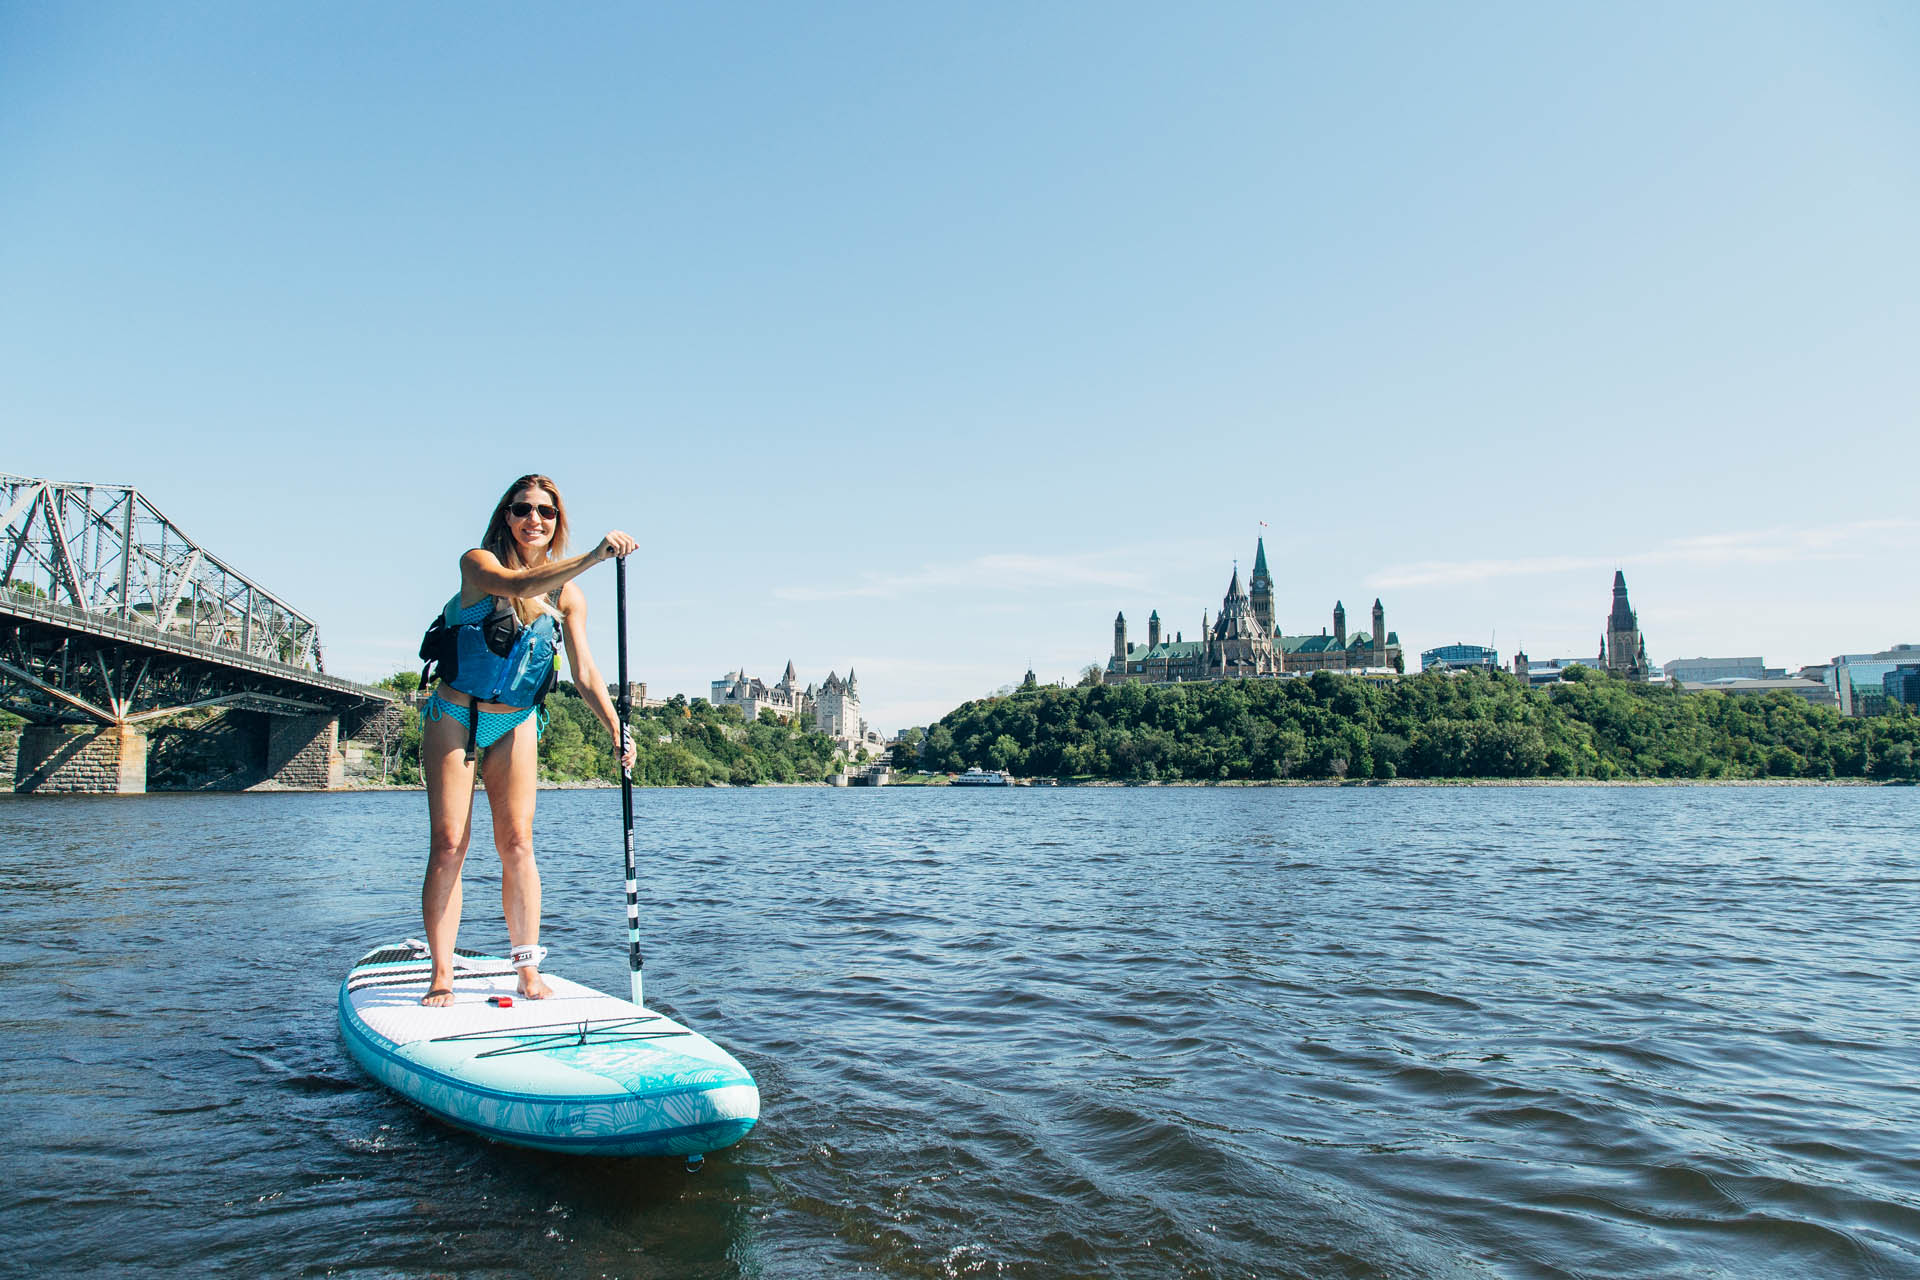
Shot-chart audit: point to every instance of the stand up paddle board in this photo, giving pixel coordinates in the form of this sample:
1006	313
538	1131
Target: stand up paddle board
580	1071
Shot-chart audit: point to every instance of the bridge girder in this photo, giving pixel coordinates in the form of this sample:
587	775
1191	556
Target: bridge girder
107	550
109	614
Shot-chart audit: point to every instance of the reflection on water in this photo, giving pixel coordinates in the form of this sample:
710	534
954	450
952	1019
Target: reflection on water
1370	1032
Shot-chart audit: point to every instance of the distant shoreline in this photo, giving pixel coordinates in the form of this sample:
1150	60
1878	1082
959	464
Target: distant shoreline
1517	782
1323	783
1356	784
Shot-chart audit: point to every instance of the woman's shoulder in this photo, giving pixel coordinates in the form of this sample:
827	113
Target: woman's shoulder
472	561
569	600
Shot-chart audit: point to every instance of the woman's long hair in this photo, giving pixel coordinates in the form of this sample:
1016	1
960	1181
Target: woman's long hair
502	543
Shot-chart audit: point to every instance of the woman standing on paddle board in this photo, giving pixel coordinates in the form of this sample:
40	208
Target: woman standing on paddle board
517	603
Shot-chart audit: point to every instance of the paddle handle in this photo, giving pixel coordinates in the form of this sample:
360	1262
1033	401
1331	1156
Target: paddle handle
625	707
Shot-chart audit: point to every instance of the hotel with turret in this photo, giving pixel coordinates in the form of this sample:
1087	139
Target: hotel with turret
1246	642
833	707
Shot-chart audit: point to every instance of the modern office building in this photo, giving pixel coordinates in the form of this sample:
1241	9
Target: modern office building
1859	679
1902	685
1812	690
1701	670
1459	657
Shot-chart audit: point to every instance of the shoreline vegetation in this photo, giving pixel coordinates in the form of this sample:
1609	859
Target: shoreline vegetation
1443	728
1468	729
681	743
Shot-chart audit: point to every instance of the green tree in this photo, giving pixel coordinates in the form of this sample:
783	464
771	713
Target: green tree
402	681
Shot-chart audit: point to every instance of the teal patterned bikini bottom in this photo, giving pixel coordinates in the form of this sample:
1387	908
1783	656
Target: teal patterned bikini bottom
494	725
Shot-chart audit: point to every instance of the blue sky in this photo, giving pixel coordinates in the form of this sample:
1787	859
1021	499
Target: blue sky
922	339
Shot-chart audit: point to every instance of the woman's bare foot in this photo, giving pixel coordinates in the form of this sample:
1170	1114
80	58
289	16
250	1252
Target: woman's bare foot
532	985
439	991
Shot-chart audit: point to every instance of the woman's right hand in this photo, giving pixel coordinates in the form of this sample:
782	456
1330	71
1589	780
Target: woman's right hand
615	544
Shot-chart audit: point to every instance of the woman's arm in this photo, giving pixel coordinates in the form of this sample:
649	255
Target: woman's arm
482	574
586	676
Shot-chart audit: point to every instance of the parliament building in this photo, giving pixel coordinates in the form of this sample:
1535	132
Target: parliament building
1245	642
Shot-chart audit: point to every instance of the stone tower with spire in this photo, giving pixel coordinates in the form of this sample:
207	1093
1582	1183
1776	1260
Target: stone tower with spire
1340	623
1623	650
1239	647
1260	588
1379	658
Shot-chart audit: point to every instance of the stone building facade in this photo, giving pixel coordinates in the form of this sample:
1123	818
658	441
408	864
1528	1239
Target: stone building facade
752	696
836	709
832	708
1245	641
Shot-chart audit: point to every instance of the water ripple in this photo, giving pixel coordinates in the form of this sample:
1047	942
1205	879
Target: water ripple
1096	1032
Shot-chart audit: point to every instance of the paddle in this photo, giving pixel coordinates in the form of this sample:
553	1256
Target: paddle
625	707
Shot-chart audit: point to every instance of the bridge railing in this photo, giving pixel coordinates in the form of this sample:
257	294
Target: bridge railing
107	627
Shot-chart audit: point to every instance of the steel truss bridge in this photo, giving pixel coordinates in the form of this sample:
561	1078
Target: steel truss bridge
111	615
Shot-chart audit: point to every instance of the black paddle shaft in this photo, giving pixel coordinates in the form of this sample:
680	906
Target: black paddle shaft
624	707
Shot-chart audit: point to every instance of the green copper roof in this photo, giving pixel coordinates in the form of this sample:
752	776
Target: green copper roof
1260	559
1328	644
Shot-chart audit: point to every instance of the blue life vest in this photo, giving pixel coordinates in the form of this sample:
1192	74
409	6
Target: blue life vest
497	658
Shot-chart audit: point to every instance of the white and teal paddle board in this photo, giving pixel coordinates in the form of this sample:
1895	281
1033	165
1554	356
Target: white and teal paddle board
580	1071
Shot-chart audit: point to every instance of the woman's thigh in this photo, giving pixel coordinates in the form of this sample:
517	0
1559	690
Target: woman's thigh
449	779
512	770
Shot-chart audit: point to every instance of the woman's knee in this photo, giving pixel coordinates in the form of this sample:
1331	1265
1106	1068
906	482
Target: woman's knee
447	847
515	847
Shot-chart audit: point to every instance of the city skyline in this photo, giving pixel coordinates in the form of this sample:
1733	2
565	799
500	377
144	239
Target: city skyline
922	342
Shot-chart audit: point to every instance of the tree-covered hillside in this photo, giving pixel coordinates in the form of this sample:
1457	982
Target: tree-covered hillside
1470	725
684	744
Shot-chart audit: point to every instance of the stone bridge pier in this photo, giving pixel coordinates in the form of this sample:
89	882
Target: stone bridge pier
109	759
236	751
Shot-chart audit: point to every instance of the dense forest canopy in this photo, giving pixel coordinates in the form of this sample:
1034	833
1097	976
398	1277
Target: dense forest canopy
1435	725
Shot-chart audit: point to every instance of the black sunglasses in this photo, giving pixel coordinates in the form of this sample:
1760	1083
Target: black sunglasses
521	510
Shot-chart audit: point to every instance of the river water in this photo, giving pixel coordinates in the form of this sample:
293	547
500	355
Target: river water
1075	1032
